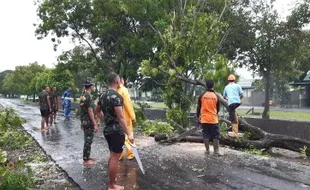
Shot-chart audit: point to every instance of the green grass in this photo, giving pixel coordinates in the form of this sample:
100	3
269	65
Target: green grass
155	105
300	116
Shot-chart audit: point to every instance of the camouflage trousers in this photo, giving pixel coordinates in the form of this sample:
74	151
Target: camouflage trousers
88	140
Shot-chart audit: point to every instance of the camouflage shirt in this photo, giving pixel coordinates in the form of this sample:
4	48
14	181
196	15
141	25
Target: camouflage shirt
53	96
85	103
43	100
108	101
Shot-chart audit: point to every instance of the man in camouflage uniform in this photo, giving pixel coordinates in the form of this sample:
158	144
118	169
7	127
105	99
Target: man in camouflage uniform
45	106
54	104
111	105
88	122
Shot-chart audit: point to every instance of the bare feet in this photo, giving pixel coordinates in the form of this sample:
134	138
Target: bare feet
116	187
89	162
43	129
93	159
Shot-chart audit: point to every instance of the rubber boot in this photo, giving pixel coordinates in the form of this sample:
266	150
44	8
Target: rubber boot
216	147
206	141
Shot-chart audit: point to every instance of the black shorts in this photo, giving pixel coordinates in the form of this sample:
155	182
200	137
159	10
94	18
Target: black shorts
116	142
45	112
210	131
54	110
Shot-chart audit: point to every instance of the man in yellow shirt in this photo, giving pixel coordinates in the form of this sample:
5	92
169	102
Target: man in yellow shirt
129	114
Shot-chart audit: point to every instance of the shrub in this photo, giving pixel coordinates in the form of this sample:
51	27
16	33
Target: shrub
157	126
11	179
9	119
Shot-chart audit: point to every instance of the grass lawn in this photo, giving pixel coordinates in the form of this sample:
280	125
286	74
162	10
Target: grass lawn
301	116
154	105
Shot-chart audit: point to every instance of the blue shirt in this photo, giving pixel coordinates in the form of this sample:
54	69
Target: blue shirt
67	94
232	92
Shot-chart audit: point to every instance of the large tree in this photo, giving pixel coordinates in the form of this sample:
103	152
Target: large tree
115	38
267	44
18	81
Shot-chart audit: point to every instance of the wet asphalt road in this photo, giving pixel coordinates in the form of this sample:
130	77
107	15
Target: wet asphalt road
179	166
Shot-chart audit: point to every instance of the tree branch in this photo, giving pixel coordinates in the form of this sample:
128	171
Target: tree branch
88	43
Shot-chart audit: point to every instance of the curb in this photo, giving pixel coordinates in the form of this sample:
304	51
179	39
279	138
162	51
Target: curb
70	179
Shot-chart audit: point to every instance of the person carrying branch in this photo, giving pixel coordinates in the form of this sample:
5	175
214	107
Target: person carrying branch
233	94
207	114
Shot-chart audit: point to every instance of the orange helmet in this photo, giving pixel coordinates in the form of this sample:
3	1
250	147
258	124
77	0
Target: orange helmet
231	77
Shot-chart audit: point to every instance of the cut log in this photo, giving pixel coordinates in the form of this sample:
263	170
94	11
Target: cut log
261	140
161	137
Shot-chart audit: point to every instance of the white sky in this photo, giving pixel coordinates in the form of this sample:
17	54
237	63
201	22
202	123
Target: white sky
19	45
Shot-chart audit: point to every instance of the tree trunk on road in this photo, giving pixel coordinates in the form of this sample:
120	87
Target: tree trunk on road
259	139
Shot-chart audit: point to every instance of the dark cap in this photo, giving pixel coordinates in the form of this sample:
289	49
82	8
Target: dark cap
88	82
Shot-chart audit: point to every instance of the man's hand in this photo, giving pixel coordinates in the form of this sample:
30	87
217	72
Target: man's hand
198	121
131	138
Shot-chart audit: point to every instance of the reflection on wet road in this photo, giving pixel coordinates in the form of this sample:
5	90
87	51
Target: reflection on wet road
179	166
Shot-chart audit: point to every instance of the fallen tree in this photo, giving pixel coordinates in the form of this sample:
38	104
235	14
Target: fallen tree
258	138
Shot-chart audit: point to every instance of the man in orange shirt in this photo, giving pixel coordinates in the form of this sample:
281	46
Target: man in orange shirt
207	114
129	114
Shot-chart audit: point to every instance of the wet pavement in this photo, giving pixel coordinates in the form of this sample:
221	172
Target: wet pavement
179	166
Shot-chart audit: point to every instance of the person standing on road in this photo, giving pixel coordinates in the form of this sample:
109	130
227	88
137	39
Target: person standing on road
110	109
67	98
233	94
207	114
129	114
54	104
88	122
44	102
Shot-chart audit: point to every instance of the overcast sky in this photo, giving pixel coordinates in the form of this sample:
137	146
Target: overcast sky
19	45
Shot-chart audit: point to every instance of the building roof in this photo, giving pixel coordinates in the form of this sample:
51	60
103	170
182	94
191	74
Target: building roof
305	81
246	83
307	78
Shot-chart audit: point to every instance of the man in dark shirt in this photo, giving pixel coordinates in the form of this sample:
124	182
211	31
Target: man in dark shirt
110	109
45	106
88	122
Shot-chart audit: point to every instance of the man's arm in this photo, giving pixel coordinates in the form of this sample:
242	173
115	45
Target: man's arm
121	119
225	94
56	102
218	107
128	105
92	117
48	102
99	112
199	106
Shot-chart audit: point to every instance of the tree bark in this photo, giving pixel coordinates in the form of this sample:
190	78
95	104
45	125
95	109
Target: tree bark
259	139
267	76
